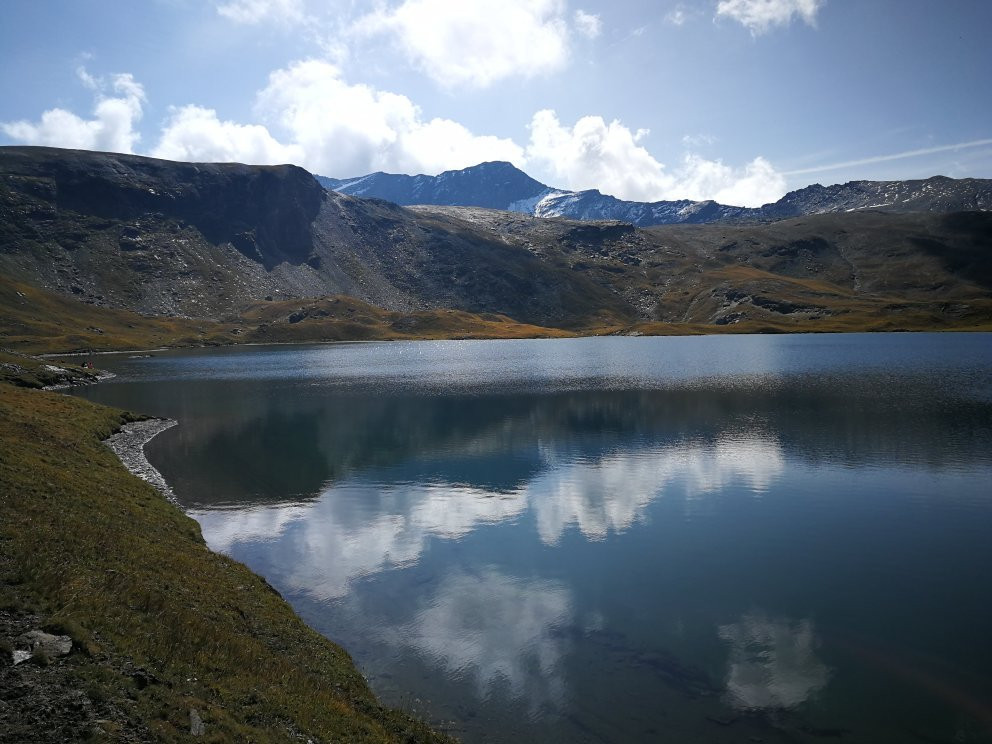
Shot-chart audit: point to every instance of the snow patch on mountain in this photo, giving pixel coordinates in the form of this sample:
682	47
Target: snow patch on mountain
500	185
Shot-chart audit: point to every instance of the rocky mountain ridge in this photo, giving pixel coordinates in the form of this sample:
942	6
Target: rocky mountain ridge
211	241
500	185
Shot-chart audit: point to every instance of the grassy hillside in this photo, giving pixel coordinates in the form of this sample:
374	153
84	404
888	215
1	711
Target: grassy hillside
160	624
36	321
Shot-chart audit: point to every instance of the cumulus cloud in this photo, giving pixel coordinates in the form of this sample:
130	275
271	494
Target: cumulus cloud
478	43
588	24
253	12
761	15
611	157
755	184
112	127
346	129
310	115
594	154
194	133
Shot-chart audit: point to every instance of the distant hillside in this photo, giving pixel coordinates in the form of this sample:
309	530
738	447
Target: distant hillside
500	185
937	194
214	241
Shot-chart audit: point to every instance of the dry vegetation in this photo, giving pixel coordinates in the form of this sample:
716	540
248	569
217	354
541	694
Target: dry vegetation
37	321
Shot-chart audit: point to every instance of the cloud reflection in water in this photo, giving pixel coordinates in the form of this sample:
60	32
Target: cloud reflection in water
611	493
495	630
360	527
772	662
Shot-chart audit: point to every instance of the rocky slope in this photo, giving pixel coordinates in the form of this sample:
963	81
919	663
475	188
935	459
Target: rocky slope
829	271
502	186
937	194
206	240
212	241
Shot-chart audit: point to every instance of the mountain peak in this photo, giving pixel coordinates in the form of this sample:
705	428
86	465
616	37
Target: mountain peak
498	184
493	165
493	184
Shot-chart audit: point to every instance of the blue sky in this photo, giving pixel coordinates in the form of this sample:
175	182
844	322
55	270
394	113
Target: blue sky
737	100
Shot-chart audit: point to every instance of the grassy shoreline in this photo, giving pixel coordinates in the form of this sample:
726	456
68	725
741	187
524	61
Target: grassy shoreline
160	624
37	321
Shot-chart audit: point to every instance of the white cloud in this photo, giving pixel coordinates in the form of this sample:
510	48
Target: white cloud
701	139
88	81
755	184
611	158
194	133
677	16
252	12
476	43
588	24
112	127
309	115
594	154
761	15
342	129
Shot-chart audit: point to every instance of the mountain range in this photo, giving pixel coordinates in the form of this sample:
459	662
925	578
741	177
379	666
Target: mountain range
269	252
500	185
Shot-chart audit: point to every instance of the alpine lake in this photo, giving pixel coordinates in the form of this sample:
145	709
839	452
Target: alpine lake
770	538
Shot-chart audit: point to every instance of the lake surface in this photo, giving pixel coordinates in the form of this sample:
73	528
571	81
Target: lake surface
713	539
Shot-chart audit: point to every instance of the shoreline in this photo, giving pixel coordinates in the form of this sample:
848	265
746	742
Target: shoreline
163	629
129	446
634	334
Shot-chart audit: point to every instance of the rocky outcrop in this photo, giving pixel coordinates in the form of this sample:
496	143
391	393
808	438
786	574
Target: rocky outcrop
263	211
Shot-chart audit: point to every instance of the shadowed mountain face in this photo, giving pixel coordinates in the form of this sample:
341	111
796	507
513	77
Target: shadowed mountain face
264	212
209	241
501	186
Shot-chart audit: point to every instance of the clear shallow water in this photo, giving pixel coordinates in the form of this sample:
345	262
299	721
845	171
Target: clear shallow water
723	539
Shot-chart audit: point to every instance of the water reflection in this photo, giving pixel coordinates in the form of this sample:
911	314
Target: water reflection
354	529
773	662
497	632
242	443
611	493
579	527
360	527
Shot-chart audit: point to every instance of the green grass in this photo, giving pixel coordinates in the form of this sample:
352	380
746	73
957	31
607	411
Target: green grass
107	560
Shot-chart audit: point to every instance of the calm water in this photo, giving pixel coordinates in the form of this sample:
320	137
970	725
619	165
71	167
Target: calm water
724	539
